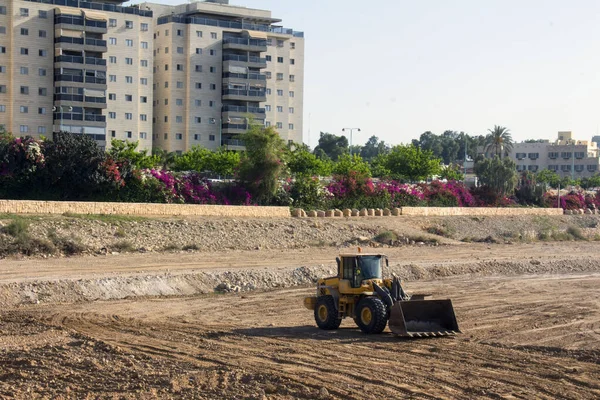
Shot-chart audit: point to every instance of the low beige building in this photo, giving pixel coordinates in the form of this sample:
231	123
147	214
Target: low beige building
566	156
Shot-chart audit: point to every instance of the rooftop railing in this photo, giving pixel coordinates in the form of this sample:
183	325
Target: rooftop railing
96	6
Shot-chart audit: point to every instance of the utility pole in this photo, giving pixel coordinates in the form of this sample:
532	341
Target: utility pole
351	130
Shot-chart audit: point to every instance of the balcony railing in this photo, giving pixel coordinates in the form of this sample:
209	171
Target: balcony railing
252	59
243	127
233	142
257	77
246	42
96	80
79	117
68	78
250	93
95	42
242	109
80	60
87	41
97	6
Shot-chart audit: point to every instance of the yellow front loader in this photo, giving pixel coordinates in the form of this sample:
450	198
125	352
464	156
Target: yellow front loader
359	291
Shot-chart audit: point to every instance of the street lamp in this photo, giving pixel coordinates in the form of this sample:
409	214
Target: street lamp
351	130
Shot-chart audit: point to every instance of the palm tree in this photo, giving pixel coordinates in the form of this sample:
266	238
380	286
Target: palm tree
498	140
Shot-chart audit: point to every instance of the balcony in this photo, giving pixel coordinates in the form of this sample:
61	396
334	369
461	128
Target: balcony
257	79
76	22
235	128
244	61
245	44
256	95
68	116
62	99
89	44
80	60
230	111
234	144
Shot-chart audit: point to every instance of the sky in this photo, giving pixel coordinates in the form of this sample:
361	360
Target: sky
398	68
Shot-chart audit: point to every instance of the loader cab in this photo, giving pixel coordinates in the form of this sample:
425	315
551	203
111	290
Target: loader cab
358	267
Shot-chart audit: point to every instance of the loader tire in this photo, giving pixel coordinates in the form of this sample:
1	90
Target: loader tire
371	315
326	315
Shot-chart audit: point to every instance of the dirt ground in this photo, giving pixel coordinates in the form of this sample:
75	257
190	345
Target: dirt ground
533	336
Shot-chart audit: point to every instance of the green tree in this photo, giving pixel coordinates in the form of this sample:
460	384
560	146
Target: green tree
379	167
591	182
498	174
347	163
412	163
333	146
224	163
126	151
373	148
166	159
452	173
302	162
548	177
499	141
262	165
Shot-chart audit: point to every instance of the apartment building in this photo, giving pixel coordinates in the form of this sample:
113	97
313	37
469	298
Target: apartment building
217	67
566	156
77	66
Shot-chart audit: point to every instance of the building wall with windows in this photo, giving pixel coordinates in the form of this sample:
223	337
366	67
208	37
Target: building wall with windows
566	156
219	66
76	66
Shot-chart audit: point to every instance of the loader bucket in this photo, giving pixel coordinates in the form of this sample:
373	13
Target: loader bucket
423	318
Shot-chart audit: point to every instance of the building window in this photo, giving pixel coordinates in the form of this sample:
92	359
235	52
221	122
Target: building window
213	69
211	103
128	79
129	134
128	60
198	85
292	61
292	78
279	76
42	130
166	32
112	96
166	102
268	91
129	116
212	52
2	108
113	133
43	53
24	71
179	102
143	117
267	107
179	67
198	50
144	45
268	58
41	72
144	63
291	93
42	91
279	125
280	60
166	67
291	110
129	24
2	88
24	12
144	27
279	92
198	103
279	43
112	78
2	69
178	119
112	22
23	129
166	135
213	86
112	59
292	45
179	136
24	32
211	138
198	68
112	41
143	135
3	49
24	89
179	85
180	50
592	168
24	51
42	110
213	35
143	99
144	81
279	109
179	32
291	127
268	74
2	30
2	10
198	33
166	118
42	34
128	42
128	97
112	115
198	120
166	84
24	109
196	136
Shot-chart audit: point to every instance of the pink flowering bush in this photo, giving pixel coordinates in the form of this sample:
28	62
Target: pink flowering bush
447	194
570	201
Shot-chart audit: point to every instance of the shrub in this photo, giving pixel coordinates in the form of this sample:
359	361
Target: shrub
189	247
17	228
123	246
576	232
387	237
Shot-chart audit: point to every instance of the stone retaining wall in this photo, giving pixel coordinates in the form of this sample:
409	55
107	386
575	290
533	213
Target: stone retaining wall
139	209
468	211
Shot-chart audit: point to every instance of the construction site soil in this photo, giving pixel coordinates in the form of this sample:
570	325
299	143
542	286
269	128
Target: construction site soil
145	326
